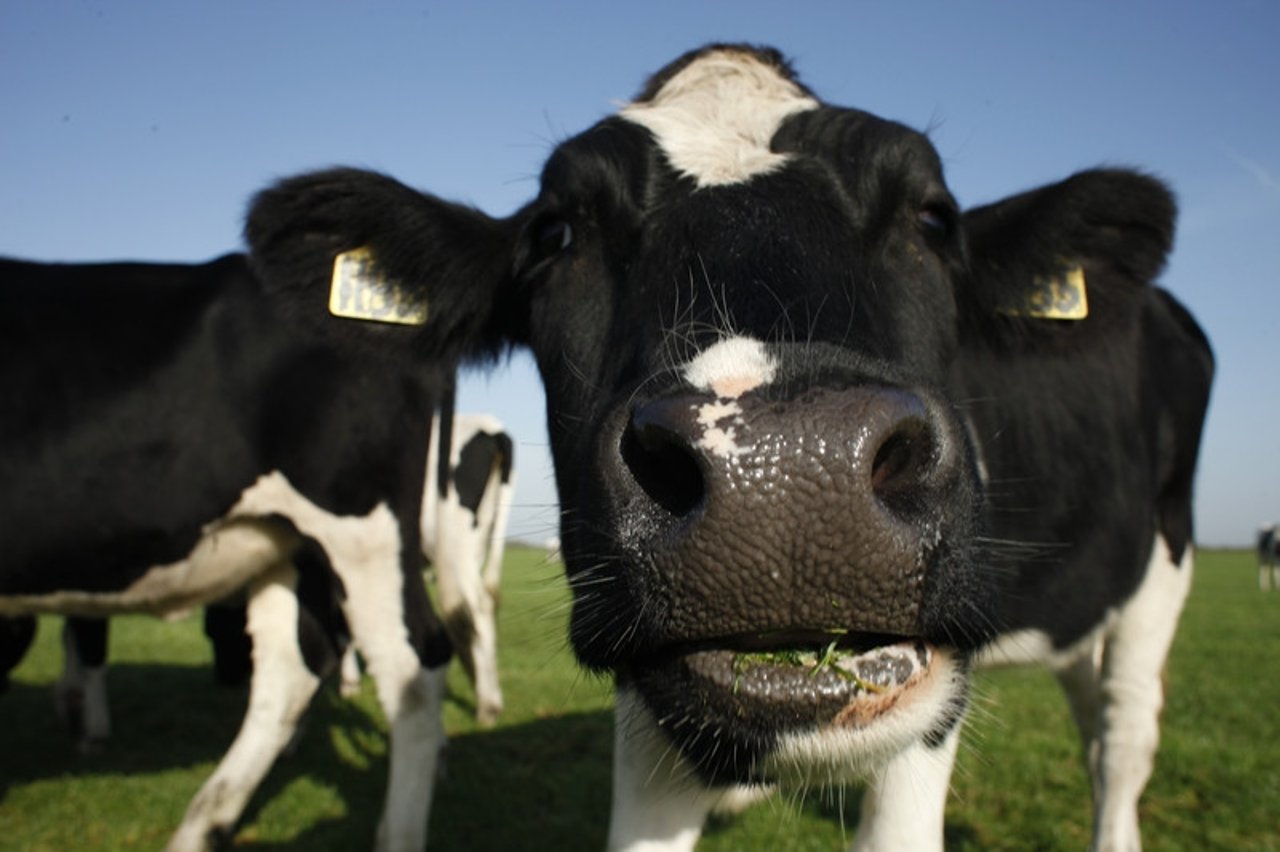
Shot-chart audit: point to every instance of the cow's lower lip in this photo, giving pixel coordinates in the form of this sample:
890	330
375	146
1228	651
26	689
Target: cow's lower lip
826	686
728	706
780	689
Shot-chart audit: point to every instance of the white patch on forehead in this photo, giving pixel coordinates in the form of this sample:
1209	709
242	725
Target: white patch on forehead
716	117
731	367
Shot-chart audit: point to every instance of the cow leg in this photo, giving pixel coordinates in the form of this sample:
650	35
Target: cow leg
473	624
1081	681
80	695
469	611
905	805
411	696
224	625
349	673
17	632
1132	692
484	659
280	689
658	803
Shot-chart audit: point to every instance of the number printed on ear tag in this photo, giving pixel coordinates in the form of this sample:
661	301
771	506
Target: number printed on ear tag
361	291
1061	298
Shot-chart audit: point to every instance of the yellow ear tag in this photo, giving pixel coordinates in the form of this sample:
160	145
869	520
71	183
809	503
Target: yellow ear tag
1061	298
361	291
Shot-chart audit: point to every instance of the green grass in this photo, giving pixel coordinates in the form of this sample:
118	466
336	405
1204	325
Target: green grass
540	779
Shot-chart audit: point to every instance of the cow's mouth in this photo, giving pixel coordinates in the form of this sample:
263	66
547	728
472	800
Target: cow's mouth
843	683
726	704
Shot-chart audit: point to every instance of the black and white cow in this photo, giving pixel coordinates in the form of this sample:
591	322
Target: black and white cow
463	535
1268	557
172	433
820	437
464	538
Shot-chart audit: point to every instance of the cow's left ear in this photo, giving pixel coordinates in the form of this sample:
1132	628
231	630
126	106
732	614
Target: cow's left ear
373	265
1109	221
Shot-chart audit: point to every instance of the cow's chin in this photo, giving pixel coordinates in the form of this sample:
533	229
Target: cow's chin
820	715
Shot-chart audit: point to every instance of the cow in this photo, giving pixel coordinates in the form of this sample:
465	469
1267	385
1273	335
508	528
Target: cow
822	439
80	695
465	528
175	432
1268	556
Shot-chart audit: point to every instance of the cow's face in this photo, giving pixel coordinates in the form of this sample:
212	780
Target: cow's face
742	303
742	306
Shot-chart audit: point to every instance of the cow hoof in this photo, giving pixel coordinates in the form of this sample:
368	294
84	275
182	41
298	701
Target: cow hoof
487	715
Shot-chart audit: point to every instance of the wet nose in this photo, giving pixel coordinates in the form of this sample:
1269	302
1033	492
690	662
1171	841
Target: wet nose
817	511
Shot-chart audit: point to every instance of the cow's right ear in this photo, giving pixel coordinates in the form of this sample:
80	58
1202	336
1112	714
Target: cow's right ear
373	265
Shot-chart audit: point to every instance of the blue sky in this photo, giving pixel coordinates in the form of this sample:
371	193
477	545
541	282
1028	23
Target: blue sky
138	130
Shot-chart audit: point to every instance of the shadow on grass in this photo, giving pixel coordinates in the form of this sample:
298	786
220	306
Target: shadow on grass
541	784
162	717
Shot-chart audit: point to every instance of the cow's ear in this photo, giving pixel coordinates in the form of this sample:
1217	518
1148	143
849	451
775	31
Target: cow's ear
371	264
1096	225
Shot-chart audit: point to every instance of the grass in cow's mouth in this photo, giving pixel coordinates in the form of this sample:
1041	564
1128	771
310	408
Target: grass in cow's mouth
815	661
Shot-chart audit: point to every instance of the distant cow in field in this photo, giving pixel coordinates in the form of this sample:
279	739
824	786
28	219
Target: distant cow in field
1268	556
464	525
172	433
821	438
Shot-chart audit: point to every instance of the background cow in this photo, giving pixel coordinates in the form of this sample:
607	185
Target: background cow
173	433
819	436
463	536
1268	556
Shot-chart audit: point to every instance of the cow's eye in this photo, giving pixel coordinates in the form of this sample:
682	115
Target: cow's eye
552	237
936	220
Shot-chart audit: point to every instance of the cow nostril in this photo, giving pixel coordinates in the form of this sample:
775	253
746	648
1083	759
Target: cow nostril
665	467
902	466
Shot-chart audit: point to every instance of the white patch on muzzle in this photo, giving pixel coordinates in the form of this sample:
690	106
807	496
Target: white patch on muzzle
728	369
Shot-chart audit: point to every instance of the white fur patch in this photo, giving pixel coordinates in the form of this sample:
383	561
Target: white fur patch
904	806
720	438
716	118
731	368
657	804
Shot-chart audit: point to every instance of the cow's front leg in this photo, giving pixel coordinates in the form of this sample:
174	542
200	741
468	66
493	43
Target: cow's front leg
1081	681
349	673
411	696
470	613
659	805
905	804
1132	695
484	659
280	690
80	695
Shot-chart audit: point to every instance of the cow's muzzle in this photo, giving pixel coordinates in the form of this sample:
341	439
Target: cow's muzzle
820	514
789	553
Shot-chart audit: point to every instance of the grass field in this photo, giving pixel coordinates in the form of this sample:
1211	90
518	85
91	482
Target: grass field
540	779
